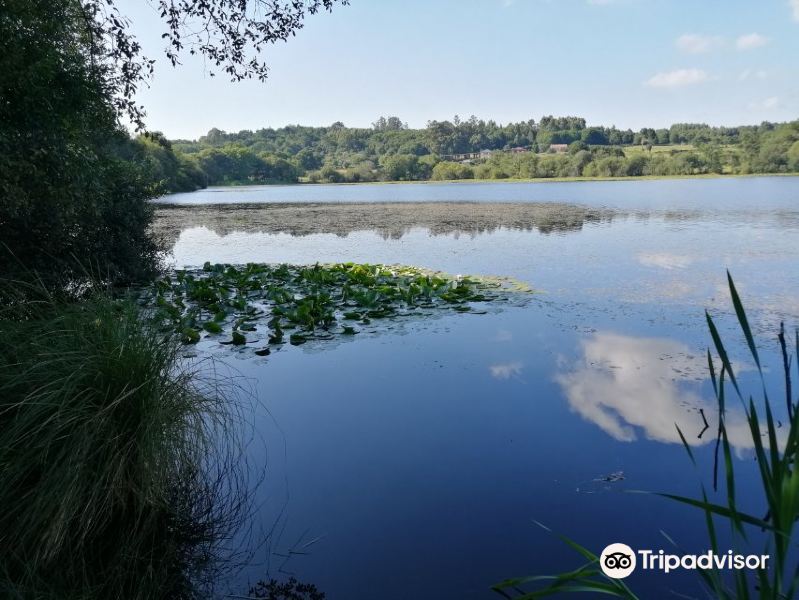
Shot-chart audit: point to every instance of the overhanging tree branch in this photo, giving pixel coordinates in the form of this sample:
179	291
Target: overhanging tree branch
230	34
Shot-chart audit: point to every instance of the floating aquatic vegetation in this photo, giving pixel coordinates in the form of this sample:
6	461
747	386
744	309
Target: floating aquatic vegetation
614	477
274	304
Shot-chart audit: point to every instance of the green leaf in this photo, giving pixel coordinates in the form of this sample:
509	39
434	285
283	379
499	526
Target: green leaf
718	509
212	327
295	339
685	444
742	320
190	335
721	351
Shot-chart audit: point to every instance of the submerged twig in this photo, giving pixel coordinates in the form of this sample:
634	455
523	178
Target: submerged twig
707	425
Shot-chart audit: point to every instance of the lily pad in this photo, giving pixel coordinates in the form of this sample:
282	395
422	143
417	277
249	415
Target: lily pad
295	339
212	327
190	335
308	302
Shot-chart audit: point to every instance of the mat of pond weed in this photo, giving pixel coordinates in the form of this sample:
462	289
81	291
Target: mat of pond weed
262	306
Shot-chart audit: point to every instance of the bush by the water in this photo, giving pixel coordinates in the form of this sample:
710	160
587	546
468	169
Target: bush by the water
73	186
107	488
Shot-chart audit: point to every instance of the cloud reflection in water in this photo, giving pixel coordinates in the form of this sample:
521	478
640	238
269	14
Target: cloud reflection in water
634	386
506	370
665	260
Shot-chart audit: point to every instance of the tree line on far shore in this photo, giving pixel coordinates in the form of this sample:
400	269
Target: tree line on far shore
470	149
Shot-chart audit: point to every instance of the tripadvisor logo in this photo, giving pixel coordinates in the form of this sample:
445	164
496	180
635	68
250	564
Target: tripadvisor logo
618	561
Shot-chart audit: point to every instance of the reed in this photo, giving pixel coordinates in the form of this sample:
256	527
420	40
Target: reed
774	527
116	467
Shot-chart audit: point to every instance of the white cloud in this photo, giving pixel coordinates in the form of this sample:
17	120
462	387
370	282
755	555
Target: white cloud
677	78
768	104
750	74
750	41
693	43
794	4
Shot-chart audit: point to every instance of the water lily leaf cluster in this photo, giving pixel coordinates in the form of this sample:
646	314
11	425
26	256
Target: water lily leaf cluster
273	304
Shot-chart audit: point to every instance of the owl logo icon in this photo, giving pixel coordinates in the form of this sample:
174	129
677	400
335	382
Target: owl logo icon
617	561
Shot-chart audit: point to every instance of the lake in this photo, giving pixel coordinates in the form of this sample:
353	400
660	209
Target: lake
413	460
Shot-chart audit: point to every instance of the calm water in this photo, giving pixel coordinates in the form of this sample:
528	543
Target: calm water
411	463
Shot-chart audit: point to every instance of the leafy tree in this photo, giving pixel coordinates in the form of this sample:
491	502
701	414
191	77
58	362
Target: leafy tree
793	157
70	191
169	171
636	166
331	175
354	152
389	124
308	159
400	167
441	137
576	147
581	160
275	169
74	188
444	171
594	136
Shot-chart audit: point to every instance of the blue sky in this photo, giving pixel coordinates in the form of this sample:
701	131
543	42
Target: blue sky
629	63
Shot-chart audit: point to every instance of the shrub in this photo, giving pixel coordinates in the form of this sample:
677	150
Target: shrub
108	487
68	191
444	171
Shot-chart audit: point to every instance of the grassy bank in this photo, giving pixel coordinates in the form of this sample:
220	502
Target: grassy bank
106	488
525	180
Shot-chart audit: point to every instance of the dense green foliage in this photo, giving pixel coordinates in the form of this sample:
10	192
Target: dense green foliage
117	470
274	304
165	170
476	149
74	186
107	485
71	187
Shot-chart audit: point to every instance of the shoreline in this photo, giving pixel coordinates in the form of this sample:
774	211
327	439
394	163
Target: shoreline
507	180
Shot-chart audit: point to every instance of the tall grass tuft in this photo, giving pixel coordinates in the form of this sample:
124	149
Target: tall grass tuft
776	457
115	476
